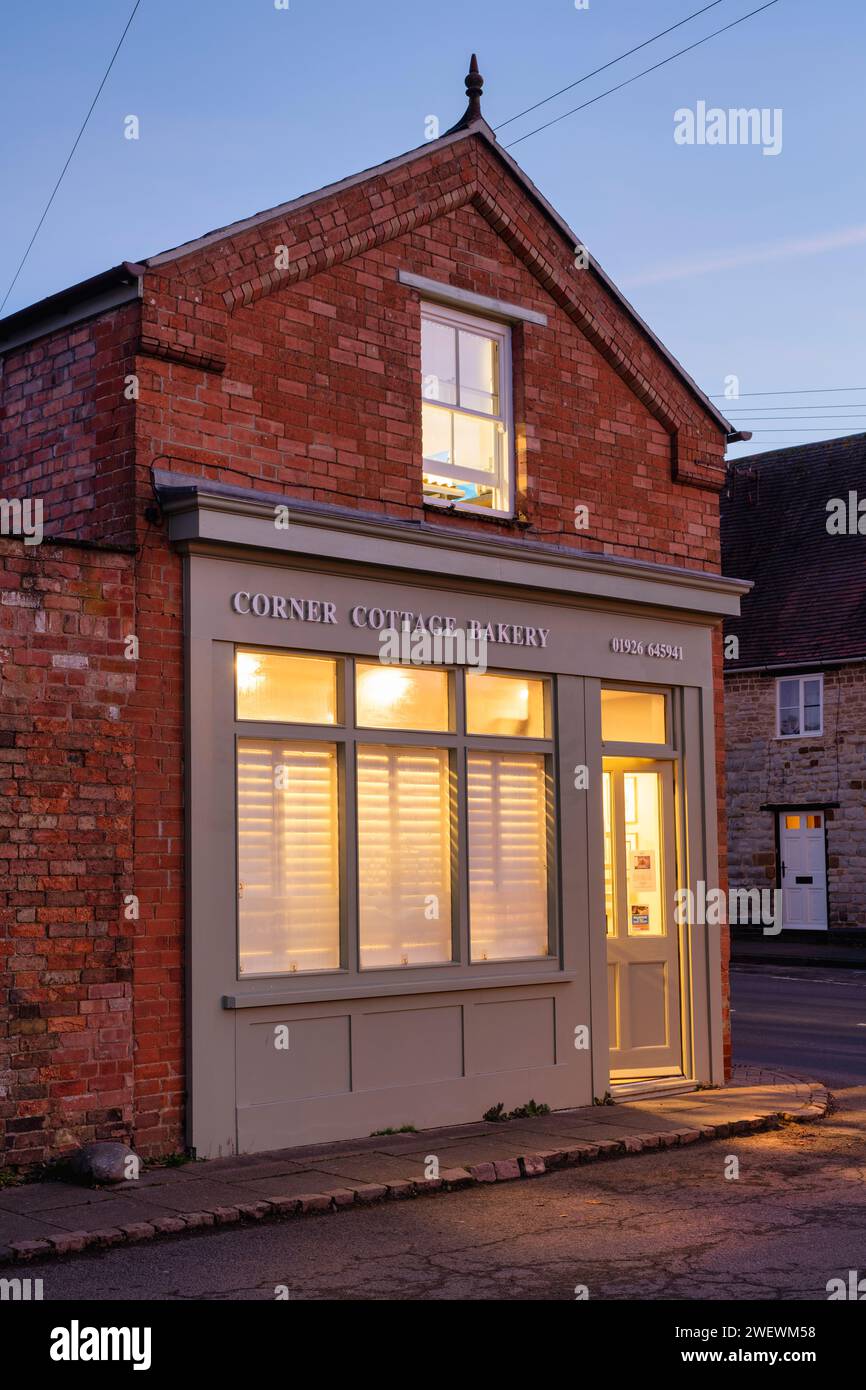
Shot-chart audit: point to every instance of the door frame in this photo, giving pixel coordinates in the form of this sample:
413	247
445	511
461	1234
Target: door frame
691	748
692	745
813	808
666	770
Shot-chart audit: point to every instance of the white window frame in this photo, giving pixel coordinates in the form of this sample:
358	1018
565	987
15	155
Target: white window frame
503	480
802	732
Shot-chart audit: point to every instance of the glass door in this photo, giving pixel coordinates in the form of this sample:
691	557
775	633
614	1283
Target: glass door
643	960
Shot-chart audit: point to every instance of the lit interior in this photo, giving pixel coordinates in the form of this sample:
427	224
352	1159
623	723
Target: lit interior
400	697
510	706
642	850
632	716
285	688
404	855
508	892
609	894
288	857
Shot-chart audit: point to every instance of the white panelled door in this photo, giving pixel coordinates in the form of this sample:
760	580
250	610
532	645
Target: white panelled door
804	869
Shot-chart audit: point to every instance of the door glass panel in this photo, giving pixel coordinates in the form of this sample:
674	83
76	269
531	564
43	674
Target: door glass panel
813	822
643	854
632	716
609	898
792	822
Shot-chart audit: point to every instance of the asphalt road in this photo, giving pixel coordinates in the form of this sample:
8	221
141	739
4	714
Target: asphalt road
665	1225
808	1021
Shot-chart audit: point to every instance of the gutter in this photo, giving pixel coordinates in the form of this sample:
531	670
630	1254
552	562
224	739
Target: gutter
120	285
812	665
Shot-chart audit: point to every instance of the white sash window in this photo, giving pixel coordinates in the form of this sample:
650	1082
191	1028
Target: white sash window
466	411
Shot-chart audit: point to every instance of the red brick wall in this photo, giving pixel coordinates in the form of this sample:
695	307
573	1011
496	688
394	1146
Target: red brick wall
66	426
66	771
157	717
320	393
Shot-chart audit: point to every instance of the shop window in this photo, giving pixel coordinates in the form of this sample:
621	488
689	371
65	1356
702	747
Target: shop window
510	706
401	697
799	705
404	855
351	844
633	716
465	411
285	688
508	887
288	856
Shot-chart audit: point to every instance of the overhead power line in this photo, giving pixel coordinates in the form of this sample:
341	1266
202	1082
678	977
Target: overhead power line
605	66
643	73
801	391
69	158
785	410
778	433
828	420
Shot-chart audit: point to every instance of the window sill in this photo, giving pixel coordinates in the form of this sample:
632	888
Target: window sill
278	998
510	521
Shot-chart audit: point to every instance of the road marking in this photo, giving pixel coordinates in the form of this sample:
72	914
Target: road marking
859	978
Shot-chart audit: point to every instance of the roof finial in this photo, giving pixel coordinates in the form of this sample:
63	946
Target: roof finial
474	85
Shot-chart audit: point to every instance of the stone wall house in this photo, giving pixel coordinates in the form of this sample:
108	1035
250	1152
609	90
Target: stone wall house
165	414
794	522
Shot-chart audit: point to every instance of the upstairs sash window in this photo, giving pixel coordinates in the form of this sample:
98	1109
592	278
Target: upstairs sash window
465	411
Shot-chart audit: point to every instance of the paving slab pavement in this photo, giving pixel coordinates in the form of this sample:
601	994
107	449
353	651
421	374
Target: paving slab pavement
42	1219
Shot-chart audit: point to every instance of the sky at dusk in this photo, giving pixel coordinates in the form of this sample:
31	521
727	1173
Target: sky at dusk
745	263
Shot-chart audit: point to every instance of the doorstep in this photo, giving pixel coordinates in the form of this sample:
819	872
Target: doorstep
46	1219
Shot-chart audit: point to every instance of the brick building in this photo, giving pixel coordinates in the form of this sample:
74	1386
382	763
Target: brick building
793	522
259	887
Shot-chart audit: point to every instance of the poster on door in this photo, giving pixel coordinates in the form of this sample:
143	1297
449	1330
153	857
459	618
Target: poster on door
640	917
642	870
